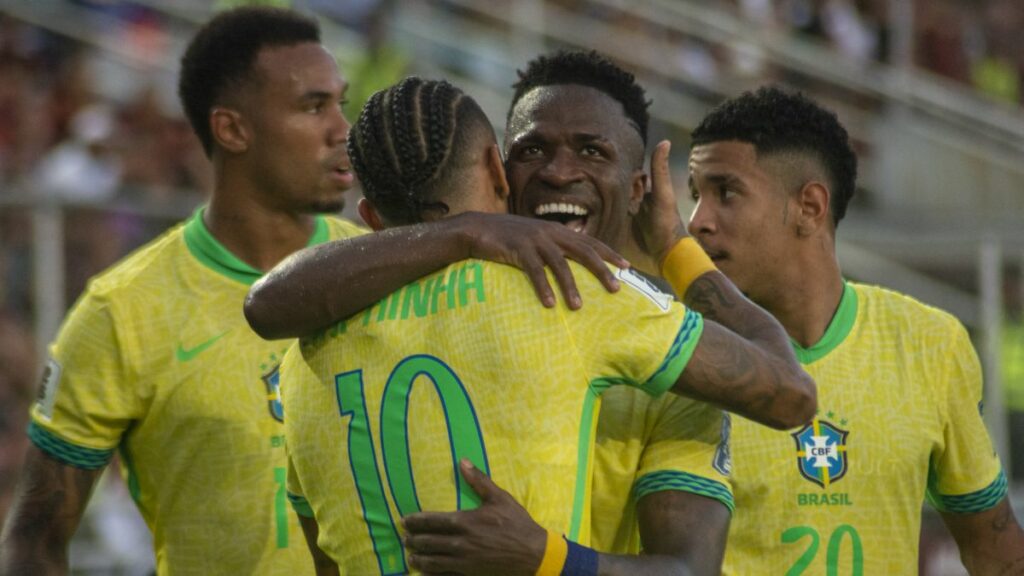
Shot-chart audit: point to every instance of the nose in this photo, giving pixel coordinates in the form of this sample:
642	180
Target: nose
701	220
339	128
561	170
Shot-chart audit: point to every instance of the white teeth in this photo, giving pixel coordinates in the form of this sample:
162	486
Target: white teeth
560	208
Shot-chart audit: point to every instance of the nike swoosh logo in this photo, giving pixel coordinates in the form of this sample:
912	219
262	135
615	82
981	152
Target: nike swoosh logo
184	355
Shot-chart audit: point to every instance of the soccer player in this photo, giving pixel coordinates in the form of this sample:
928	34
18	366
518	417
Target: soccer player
463	364
155	361
900	387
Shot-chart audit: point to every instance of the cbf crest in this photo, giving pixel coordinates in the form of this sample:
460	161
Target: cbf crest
273	381
821	452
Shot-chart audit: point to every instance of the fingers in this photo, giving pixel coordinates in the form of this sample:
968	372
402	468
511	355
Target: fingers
555	260
480	482
661	179
533	265
433	523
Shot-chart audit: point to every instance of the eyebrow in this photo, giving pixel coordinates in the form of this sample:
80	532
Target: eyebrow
321	95
716	179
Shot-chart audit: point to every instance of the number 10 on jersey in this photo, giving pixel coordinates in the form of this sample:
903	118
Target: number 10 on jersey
464	438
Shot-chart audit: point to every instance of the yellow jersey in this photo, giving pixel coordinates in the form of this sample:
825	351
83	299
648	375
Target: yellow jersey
156	362
465	364
899	396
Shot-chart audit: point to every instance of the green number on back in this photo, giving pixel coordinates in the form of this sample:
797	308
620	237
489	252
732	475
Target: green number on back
465	441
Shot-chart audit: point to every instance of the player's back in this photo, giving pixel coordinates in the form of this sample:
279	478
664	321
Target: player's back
466	363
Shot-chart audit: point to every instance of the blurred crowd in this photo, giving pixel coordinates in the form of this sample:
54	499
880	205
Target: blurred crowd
62	136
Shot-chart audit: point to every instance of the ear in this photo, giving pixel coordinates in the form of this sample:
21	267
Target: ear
496	169
813	212
230	130
637	189
368	212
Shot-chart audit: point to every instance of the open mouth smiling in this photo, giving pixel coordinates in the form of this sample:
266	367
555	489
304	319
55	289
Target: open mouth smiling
573	216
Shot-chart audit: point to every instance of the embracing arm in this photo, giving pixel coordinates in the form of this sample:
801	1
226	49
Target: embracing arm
321	285
682	533
744	362
49	504
990	542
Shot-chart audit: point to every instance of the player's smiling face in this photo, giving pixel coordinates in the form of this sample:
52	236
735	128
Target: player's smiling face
741	217
573	157
299	130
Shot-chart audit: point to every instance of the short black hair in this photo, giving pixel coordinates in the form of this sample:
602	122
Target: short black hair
775	120
410	143
587	69
222	54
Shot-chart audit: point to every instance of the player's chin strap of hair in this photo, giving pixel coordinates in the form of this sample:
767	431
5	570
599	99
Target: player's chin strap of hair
684	263
565	558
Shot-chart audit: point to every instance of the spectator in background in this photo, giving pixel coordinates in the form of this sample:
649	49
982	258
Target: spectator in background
84	167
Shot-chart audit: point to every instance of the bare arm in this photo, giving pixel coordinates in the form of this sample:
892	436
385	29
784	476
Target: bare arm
990	542
743	362
323	563
685	534
49	504
321	285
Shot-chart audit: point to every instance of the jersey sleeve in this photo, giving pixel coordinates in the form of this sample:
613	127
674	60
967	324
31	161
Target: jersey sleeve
965	475
687	450
638	336
87	398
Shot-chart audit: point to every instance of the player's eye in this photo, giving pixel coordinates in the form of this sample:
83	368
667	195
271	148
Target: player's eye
590	150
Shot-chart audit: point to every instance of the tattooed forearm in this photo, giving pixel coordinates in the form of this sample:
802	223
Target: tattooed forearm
49	504
740	378
718	299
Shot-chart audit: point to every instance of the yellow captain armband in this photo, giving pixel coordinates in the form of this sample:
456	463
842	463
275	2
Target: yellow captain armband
685	262
555	552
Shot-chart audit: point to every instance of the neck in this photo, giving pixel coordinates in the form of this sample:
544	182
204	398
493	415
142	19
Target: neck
807	298
258	234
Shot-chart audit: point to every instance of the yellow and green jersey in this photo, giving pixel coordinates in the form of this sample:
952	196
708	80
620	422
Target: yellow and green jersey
157	363
647	445
899	420
465	364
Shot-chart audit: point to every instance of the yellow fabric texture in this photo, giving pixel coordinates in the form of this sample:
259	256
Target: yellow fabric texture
532	376
157	362
899	399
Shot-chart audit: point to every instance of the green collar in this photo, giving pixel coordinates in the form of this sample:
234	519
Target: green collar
215	256
837	330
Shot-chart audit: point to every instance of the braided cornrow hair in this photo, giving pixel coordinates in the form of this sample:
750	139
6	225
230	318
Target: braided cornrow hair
402	144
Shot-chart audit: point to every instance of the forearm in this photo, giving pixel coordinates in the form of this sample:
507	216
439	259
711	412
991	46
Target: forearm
718	299
318	286
990	542
50	501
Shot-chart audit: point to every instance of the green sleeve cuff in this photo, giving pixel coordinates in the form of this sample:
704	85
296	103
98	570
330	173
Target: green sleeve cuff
686	482
678	355
300	505
67	453
975	501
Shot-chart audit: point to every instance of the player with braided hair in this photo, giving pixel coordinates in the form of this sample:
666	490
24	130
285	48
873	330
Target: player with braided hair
458	377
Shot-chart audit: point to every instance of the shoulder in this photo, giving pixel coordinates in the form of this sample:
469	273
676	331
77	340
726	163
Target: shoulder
339	227
906	313
152	261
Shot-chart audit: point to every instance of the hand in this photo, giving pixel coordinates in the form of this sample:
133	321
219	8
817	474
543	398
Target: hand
657	225
497	538
530	245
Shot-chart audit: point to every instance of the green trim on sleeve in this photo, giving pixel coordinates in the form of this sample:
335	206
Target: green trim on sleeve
685	482
214	255
300	505
979	501
66	452
678	355
838	329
